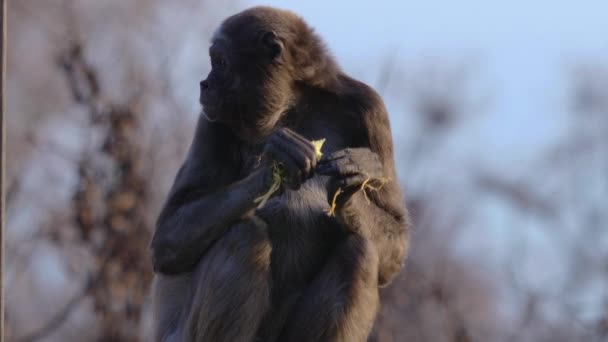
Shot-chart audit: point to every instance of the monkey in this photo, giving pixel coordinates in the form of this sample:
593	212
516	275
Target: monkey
229	270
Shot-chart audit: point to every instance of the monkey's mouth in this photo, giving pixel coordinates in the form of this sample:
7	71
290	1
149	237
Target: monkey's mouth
205	98
202	99
209	109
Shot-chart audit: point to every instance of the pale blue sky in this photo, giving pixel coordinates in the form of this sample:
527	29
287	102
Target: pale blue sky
523	51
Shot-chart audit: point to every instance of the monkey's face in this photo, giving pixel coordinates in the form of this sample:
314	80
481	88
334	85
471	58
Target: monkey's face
248	88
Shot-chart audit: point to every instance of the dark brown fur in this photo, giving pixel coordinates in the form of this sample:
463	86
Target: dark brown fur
287	272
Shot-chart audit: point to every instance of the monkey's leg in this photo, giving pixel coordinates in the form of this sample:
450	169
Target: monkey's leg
231	287
342	302
169	295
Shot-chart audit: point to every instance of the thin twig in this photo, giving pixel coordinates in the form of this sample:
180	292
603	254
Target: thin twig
59	319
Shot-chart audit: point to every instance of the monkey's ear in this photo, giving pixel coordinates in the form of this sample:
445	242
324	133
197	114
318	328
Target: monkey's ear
273	44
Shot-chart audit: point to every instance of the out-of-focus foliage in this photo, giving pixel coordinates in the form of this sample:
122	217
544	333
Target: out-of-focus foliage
551	284
97	128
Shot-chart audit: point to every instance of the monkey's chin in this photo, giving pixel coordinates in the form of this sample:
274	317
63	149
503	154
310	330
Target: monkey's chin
207	117
250	134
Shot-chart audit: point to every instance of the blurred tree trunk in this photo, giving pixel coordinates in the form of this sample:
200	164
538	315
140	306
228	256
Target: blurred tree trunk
2	158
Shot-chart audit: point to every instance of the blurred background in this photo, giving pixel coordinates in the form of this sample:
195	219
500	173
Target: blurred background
499	113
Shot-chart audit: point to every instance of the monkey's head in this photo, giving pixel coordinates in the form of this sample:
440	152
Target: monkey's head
258	57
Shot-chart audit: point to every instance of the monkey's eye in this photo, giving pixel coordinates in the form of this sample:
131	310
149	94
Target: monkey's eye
218	62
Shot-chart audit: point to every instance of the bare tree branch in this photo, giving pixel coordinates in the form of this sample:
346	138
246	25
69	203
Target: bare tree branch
59	318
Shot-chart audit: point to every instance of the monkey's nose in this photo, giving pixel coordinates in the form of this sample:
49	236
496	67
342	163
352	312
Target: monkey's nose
204	85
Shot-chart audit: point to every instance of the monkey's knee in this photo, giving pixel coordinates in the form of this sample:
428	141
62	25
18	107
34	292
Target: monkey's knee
169	296
342	302
359	255
247	247
231	286
360	303
237	264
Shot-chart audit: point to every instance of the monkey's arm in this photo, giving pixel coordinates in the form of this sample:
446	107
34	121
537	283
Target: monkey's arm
205	198
191	221
375	214
387	229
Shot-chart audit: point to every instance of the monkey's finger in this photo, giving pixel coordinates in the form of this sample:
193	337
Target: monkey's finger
352	181
333	156
364	162
304	159
302	148
348	186
290	148
327	161
349	151
356	153
288	163
327	168
295	141
371	167
288	133
336	186
340	167
292	138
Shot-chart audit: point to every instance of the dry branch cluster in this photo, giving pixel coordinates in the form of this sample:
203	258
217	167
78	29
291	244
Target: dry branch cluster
109	215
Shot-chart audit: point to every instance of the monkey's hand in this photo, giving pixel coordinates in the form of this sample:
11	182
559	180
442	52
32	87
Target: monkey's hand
351	170
294	154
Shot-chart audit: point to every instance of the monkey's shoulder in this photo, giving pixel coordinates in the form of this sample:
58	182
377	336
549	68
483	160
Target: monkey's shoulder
358	96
